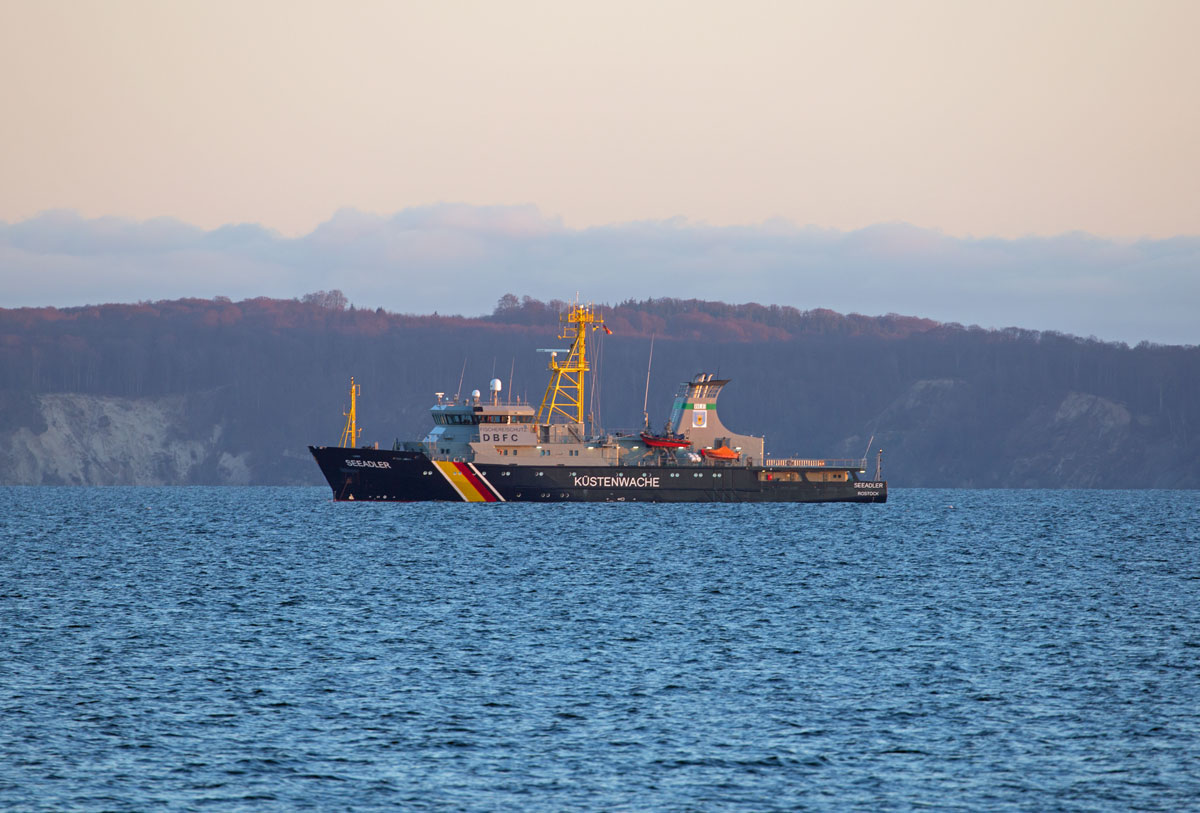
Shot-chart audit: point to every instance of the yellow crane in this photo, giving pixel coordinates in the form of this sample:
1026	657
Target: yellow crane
350	431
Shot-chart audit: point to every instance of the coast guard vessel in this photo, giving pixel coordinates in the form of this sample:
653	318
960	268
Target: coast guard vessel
488	449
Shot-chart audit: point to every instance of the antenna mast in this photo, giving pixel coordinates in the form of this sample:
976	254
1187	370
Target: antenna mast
646	397
461	376
565	393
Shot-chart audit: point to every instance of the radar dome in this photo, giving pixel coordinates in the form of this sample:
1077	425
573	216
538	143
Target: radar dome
474	393
495	386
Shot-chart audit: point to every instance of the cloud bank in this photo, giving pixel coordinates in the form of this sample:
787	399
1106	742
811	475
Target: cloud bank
456	258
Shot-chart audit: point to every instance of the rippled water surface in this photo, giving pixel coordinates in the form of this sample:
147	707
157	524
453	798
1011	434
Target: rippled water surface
231	649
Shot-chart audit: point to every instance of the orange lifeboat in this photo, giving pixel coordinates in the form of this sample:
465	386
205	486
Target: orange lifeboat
662	442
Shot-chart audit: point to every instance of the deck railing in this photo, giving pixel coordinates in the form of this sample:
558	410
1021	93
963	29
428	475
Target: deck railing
822	463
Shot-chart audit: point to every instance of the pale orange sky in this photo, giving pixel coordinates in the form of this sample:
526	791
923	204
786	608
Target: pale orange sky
974	118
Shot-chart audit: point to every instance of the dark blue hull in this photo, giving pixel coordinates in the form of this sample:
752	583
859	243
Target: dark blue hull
400	476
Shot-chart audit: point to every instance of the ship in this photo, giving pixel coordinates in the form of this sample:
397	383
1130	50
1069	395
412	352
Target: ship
490	449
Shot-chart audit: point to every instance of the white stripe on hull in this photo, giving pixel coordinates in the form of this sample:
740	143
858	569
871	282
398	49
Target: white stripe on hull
485	481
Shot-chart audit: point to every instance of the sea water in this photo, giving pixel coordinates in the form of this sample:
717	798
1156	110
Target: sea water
265	648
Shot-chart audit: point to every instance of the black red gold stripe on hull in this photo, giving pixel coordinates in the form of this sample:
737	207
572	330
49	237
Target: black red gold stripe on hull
467	481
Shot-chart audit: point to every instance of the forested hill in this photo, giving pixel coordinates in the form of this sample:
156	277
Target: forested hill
214	391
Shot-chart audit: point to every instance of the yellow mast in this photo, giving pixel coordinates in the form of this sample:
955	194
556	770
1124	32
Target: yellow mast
564	393
350	431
